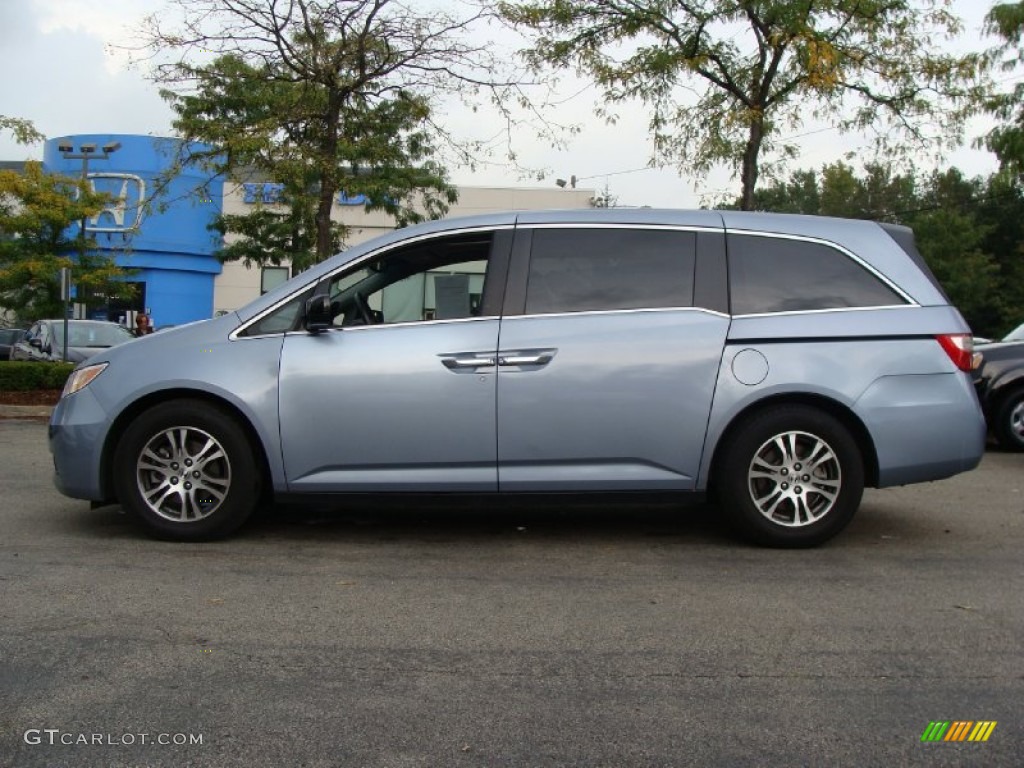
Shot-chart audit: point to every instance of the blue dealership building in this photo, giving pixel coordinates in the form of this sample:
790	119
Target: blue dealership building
155	225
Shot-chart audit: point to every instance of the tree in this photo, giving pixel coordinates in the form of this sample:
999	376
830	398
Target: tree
36	210
760	68
24	130
321	97
953	240
1001	211
878	193
1007	140
801	194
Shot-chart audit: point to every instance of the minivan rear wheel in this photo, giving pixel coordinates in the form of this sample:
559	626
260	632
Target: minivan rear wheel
186	470
791	476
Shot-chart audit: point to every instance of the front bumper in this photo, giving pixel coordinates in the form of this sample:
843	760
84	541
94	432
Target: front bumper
78	430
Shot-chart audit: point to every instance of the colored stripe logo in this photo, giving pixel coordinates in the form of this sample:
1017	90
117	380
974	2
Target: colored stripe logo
958	730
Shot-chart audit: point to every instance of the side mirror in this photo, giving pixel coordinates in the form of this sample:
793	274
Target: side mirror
36	342
318	314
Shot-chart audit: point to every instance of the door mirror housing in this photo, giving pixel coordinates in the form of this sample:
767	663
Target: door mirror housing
318	314
36	342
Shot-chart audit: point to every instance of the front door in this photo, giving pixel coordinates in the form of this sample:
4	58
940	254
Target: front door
400	393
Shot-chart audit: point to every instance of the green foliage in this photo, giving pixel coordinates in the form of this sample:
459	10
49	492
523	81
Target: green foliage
1007	140
321	98
36	209
724	79
1001	212
24	131
953	244
272	234
17	376
800	194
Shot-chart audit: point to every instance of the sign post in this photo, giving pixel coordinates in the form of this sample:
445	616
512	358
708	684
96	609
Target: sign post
65	296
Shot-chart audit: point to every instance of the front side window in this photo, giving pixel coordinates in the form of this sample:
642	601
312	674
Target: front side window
283	319
774	274
579	270
438	279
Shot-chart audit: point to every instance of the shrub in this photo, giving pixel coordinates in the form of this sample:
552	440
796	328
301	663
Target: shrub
26	377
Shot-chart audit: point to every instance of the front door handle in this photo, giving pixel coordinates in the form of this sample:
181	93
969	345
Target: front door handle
456	362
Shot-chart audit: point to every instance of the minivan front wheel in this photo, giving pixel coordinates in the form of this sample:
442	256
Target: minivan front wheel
187	472
792	476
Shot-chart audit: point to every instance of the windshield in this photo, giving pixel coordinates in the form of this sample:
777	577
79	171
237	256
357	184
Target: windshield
91	334
1017	334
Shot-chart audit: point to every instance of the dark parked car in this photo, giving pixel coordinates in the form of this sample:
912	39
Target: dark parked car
8	338
1017	334
45	340
1000	384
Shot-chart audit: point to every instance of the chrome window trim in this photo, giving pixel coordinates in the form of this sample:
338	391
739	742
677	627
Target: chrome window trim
403	324
636	310
829	309
911	303
619	225
828	244
234	335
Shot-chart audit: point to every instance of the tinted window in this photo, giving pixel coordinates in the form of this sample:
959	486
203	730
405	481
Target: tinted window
574	270
772	274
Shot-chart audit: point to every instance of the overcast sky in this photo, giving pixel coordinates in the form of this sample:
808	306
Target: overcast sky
60	73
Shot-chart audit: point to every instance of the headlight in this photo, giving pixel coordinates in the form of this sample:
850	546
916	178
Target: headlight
82	377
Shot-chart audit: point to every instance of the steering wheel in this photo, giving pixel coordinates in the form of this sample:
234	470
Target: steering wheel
363	308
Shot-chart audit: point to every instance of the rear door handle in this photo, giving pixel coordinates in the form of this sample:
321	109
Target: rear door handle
536	358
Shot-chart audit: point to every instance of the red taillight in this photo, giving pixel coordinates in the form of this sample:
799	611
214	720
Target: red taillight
960	348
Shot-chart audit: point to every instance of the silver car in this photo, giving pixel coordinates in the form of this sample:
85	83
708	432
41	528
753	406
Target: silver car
44	341
782	362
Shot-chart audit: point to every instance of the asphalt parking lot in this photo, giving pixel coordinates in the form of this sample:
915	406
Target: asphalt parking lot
533	634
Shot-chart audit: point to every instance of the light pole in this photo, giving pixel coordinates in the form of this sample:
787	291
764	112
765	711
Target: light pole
85	151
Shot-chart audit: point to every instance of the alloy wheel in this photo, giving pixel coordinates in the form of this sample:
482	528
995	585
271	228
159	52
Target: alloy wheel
183	474
794	479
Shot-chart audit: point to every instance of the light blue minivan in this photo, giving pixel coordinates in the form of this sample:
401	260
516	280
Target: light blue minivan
781	362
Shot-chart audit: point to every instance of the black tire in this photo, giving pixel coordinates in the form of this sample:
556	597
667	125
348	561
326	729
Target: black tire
200	470
1008	422
801	507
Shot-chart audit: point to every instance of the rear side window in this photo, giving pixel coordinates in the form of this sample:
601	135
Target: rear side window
774	274
578	270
